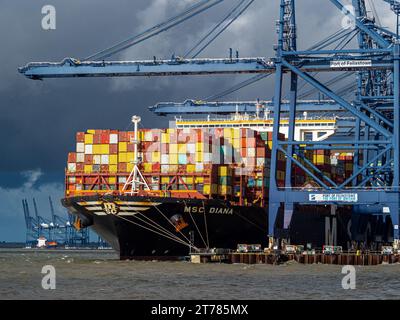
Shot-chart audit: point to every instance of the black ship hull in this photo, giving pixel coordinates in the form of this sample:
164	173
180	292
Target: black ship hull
157	228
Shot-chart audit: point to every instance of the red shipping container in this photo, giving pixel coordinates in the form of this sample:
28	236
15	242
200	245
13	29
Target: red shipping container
251	142
244	143
113	148
243	152
113	131
88	159
79	167
80	137
72	157
104	168
105	138
123	136
131	147
122	167
90	180
260	152
156	167
97	138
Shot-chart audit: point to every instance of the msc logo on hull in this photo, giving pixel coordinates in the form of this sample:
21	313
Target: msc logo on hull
190	209
110	208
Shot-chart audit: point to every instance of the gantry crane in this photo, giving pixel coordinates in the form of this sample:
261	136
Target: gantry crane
376	62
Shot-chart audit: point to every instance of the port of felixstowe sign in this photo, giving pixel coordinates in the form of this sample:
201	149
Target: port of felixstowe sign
333	197
351	64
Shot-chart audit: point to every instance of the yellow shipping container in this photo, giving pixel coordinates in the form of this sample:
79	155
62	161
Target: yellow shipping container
122	146
165	180
213	189
190	168
113	159
189	180
199	147
129	167
112	180
224	171
224	190
156	156
91	131
147	167
164	138
130	156
199	179
122	157
236	143
88	168
173	148
113	168
97	149
199	157
236	133
173	158
88	138
105	149
182	148
227	133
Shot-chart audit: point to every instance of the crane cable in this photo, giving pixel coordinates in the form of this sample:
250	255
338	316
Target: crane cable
155	30
259	77
234	14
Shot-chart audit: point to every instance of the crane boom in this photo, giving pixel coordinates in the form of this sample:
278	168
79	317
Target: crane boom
226	107
70	67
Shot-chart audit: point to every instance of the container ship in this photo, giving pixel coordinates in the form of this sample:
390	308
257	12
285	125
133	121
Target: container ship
202	184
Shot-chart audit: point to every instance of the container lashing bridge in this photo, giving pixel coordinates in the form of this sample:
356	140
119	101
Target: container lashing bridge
374	60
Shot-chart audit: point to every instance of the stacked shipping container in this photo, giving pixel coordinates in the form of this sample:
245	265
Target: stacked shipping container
232	163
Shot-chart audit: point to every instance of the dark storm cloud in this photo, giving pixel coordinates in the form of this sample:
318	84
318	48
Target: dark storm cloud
39	118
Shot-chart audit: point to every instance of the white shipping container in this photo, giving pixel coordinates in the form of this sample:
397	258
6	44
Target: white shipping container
113	138
164	168
148	136
251	152
206	157
71	167
164	159
104	159
97	159
71	179
191	148
88	149
199	167
121	179
260	162
80	147
80	157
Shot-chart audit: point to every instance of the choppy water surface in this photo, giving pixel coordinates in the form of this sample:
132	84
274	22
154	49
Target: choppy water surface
100	275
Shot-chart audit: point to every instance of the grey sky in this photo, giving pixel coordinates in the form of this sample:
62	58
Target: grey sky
39	118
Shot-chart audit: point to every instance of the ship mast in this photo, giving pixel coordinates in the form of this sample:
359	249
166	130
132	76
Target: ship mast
135	178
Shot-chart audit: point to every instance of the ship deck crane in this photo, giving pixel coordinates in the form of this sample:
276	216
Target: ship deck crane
377	57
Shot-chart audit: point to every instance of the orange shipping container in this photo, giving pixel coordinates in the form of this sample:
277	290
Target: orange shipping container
80	137
71	157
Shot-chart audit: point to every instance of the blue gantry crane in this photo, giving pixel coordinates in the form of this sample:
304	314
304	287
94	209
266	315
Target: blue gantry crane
375	62
57	229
